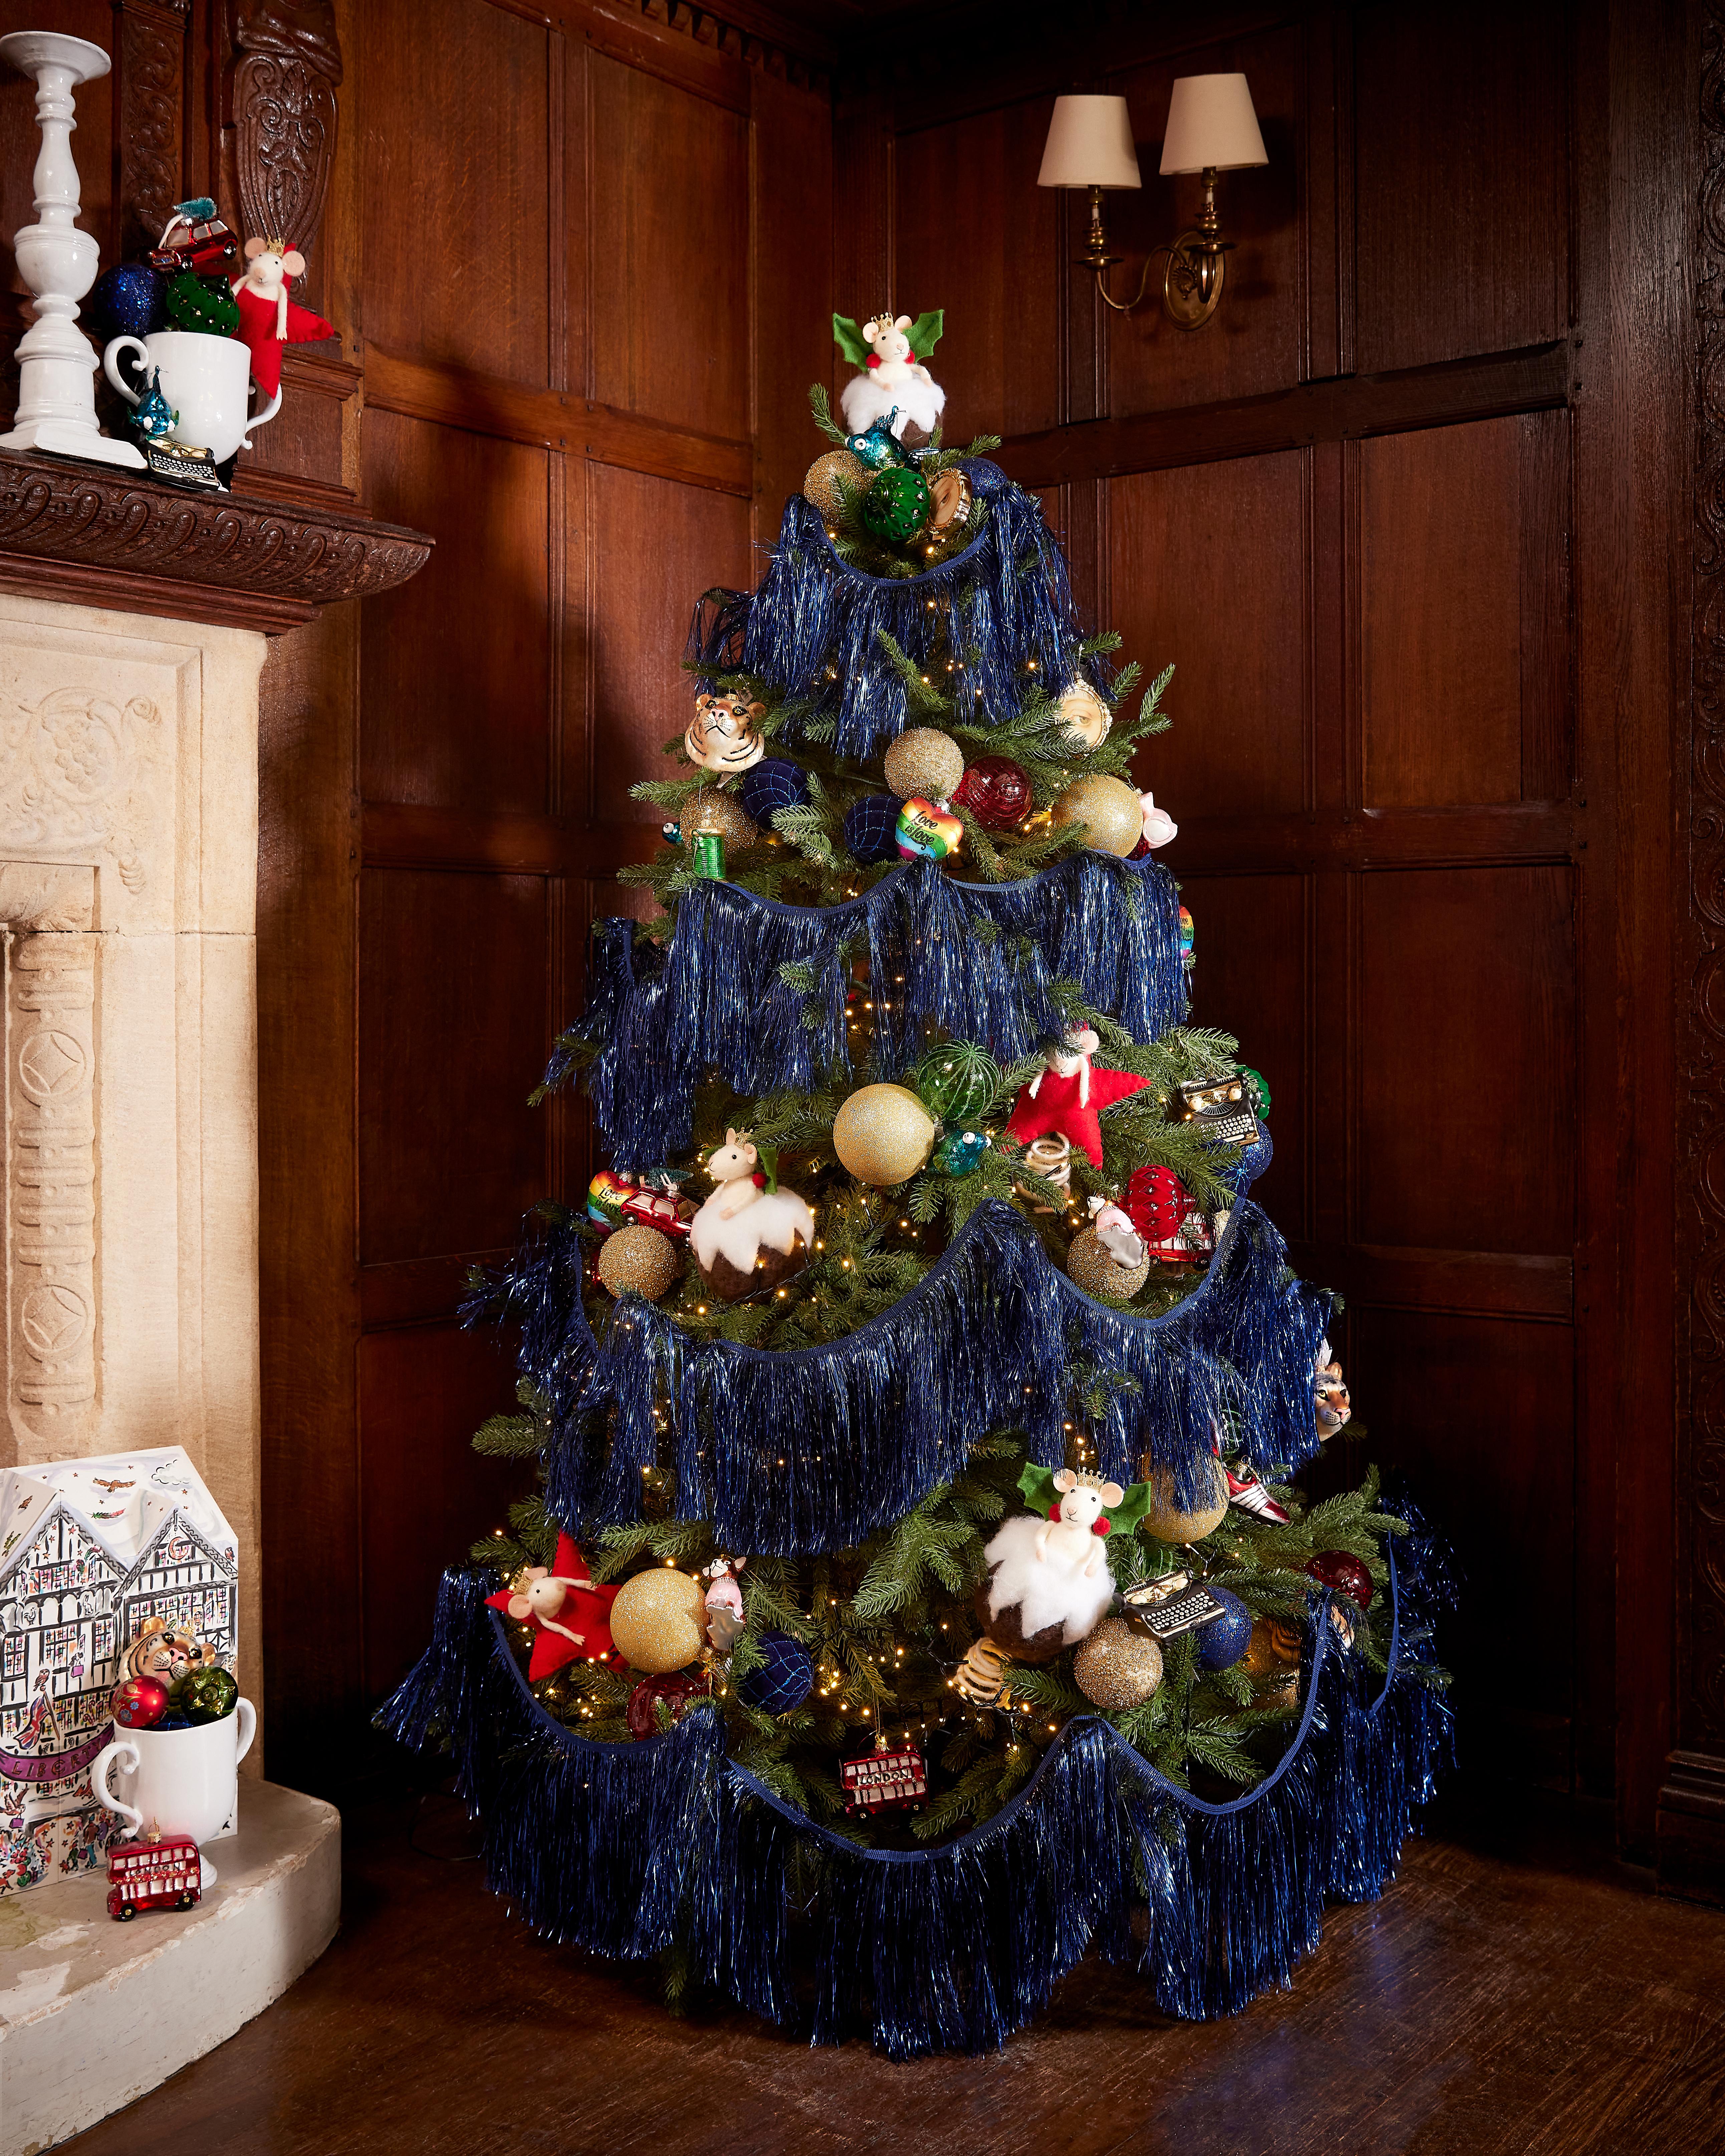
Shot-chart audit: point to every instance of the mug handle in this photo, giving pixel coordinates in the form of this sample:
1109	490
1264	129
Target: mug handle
109	367
105	1758
244	1712
258	419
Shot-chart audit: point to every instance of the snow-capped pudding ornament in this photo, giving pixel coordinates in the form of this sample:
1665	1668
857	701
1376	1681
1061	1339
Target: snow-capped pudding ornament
890	351
1049	1585
747	1237
724	735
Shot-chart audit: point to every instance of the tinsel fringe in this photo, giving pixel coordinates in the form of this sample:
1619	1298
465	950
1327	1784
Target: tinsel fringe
629	1849
973	959
809	1449
812	626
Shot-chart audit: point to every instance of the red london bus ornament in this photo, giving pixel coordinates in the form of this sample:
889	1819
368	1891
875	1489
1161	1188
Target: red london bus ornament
158	1872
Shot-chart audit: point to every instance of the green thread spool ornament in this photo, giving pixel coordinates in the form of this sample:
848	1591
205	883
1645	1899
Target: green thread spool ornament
895	507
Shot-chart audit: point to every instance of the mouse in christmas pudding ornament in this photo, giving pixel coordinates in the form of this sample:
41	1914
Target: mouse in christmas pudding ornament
895	385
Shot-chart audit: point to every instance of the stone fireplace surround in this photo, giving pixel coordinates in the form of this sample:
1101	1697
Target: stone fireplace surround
133	627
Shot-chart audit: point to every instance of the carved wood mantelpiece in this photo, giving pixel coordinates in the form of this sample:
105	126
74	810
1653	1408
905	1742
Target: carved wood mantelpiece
79	534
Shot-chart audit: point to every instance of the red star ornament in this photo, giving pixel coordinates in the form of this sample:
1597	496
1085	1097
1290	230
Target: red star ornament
1070	1106
579	1624
257	333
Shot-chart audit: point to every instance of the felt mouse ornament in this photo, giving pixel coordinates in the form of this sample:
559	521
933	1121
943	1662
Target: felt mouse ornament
569	1615
269	320
1068	1097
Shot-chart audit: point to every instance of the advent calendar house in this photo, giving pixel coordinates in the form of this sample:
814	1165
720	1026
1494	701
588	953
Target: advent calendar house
88	1550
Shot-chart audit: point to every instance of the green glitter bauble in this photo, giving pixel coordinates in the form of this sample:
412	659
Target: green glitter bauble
206	1694
1256	1089
201	303
958	1081
895	507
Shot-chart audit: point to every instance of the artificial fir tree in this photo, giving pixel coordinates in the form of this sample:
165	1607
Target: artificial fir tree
916	1593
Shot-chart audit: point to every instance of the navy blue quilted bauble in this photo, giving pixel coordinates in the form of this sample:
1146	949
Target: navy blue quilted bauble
126	302
1222	1640
783	1679
775	783
871	827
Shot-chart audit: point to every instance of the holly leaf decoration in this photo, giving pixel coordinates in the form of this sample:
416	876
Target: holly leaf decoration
767	1160
925	331
851	341
1038	1485
1132	1508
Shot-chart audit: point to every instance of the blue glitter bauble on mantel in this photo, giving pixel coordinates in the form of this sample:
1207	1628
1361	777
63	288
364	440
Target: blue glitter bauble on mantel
781	1680
126	302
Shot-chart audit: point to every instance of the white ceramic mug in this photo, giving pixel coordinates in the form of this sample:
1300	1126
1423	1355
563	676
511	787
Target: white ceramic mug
184	1781
206	380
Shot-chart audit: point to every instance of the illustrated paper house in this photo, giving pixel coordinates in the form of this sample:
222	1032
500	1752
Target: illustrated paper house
89	1549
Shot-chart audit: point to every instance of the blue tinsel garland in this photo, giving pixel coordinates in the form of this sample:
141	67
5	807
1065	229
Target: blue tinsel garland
808	1450
948	953
811	627
625	1848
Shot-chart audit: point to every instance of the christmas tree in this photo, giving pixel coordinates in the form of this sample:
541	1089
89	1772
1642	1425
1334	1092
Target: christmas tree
916	1596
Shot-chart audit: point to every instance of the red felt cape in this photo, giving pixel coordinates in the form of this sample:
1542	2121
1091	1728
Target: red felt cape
257	333
1055	1106
586	1609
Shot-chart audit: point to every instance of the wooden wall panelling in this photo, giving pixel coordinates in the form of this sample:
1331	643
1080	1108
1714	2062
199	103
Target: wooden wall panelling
1178	542
456	675
1461	116
791	153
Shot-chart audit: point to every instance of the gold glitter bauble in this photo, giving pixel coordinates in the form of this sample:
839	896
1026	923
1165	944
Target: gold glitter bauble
1109	810
1088	1262
820	481
1085	716
659	1620
1117	1666
924	762
710	810
882	1134
638	1260
1168	1523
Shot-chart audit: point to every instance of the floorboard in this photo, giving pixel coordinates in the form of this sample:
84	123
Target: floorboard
1513	1994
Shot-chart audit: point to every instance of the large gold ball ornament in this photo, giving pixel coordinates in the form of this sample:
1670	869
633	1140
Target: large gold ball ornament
637	1260
1109	810
1098	1273
1168	1523
820	482
659	1620
1084	715
883	1134
1117	1666
926	762
710	810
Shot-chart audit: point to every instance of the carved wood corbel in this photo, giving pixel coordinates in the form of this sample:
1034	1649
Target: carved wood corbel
279	99
149	119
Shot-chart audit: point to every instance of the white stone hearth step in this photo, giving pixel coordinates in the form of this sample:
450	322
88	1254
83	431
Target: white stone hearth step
94	2013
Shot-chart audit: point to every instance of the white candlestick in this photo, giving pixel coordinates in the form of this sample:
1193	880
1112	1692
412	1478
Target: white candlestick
56	408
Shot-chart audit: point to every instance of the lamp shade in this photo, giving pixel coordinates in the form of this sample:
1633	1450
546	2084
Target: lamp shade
1090	144
1211	124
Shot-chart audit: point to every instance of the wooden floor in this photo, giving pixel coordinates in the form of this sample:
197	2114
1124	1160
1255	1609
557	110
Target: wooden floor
1511	1995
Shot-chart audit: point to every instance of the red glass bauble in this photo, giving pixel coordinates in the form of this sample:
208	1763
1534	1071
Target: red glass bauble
1156	1203
139	1702
1343	1571
675	1690
996	792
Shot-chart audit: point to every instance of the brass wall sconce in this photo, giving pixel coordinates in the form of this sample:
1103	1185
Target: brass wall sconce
1211	128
